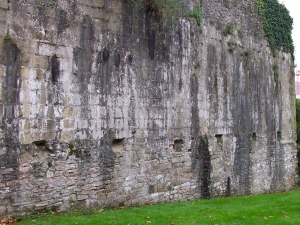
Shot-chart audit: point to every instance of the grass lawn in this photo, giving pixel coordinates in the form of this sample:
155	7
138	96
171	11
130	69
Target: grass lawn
281	209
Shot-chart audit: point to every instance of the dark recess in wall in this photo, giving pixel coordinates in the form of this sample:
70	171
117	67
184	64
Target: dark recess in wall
205	168
118	141
228	187
55	69
105	54
117	60
178	145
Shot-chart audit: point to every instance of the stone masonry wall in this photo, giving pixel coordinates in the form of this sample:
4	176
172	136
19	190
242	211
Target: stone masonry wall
102	105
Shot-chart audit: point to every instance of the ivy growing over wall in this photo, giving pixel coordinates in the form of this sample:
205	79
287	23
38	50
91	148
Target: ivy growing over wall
277	23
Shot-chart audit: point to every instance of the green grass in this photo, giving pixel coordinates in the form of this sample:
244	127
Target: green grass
272	209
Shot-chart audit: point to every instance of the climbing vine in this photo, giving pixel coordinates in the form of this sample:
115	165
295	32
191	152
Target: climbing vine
277	24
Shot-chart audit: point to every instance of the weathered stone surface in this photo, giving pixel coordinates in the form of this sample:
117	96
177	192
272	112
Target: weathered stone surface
101	108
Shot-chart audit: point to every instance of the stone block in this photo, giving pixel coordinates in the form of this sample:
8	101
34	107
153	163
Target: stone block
43	98
67	124
40	74
67	112
40	205
111	195
2	71
26	73
48	135
2	95
24	124
66	135
82	197
3	4
101	196
30	60
48	49
25	97
28	46
25	168
24	84
25	138
25	111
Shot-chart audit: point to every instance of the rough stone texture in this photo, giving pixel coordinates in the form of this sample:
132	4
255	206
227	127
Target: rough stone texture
99	107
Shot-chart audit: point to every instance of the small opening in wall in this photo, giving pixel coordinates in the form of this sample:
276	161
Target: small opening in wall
117	60
279	135
105	54
219	138
151	189
178	145
55	69
118	141
253	136
228	187
40	142
42	145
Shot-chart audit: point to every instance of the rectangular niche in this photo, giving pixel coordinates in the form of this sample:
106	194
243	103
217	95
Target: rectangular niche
178	145
118	146
219	138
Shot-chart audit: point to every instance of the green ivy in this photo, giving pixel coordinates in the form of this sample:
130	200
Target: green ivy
278	25
197	14
7	36
228	29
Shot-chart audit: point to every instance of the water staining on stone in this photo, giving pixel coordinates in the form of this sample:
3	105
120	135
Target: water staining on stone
150	32
119	111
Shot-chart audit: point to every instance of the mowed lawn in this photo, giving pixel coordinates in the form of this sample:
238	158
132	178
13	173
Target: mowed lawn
281	209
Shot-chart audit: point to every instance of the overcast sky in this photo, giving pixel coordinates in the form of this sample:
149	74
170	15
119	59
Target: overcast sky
294	7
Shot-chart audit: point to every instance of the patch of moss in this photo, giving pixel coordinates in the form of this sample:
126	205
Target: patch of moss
228	29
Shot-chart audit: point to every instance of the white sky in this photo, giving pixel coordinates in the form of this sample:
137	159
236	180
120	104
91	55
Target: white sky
294	7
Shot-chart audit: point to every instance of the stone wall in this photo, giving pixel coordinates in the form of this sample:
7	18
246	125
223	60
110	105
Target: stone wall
102	105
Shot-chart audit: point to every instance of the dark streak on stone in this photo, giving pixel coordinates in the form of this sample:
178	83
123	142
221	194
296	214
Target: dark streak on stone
243	129
150	32
117	60
200	156
62	21
10	121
